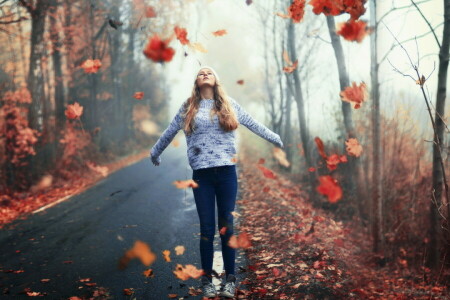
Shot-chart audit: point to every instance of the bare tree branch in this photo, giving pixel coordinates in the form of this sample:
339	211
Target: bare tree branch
396	8
13	21
428	23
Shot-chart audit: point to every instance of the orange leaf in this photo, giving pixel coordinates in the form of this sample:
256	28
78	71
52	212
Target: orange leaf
355	94
267	173
332	161
139	250
290	69
353	147
240	81
197	46
241	241
183	184
173	295
330	188
166	254
128	292
91	66
148	273
74	111
101	170
184	273
138	95
179	250
158	50
220	32
280	155
181	34
353	30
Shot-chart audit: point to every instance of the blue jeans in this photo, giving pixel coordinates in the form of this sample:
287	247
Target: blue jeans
221	183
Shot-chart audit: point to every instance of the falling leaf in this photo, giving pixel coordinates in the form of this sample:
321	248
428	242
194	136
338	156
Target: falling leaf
311	169
248	2
74	111
183	184
175	143
197	46
280	155
353	147
240	81
45	280
166	254
34	294
128	292
138	95
158	50
99	169
235	214
223	230
290	69
355	94
91	66
334	159
148	273
181	34
266	172
330	188
220	32
179	250
320	147
327	7
150	12
261	161
297	10
139	250
84	279
184	273
148	127
352	30
241	241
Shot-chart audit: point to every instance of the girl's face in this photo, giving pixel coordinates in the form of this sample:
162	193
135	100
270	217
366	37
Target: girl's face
205	76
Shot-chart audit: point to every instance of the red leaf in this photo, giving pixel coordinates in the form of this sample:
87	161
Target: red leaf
74	111
352	30
91	66
297	10
150	12
311	169
158	50
320	147
267	173
327	7
181	34
220	32
355	94
330	188
138	95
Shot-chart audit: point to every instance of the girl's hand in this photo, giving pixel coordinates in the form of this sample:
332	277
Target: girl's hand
155	160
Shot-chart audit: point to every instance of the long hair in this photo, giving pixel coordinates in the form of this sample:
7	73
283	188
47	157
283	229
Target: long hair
222	107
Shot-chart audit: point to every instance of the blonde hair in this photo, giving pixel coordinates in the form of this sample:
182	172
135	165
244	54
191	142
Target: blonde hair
222	107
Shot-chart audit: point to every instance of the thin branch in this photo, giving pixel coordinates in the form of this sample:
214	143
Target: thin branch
428	23
13	21
397	8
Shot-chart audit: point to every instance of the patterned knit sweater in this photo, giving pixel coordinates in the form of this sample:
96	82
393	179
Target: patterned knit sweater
209	145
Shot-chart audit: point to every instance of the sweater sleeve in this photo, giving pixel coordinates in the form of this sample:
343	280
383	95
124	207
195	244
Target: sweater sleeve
256	127
167	136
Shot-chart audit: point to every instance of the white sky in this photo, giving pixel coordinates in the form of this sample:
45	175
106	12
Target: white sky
239	55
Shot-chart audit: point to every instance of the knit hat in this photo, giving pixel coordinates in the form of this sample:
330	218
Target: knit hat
203	67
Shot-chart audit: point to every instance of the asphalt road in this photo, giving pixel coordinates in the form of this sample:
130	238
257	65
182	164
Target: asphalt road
86	235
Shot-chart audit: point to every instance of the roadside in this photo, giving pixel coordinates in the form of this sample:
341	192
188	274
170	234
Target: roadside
300	252
22	204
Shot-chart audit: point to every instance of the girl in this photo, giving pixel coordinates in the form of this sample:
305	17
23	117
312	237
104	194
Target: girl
209	119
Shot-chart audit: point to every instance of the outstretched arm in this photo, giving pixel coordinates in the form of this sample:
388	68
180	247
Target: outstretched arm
256	127
166	137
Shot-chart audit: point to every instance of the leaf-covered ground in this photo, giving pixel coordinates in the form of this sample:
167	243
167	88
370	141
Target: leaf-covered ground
300	252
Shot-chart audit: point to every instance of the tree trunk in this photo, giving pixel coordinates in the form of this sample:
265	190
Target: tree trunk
60	102
304	132
376	148
435	244
352	180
